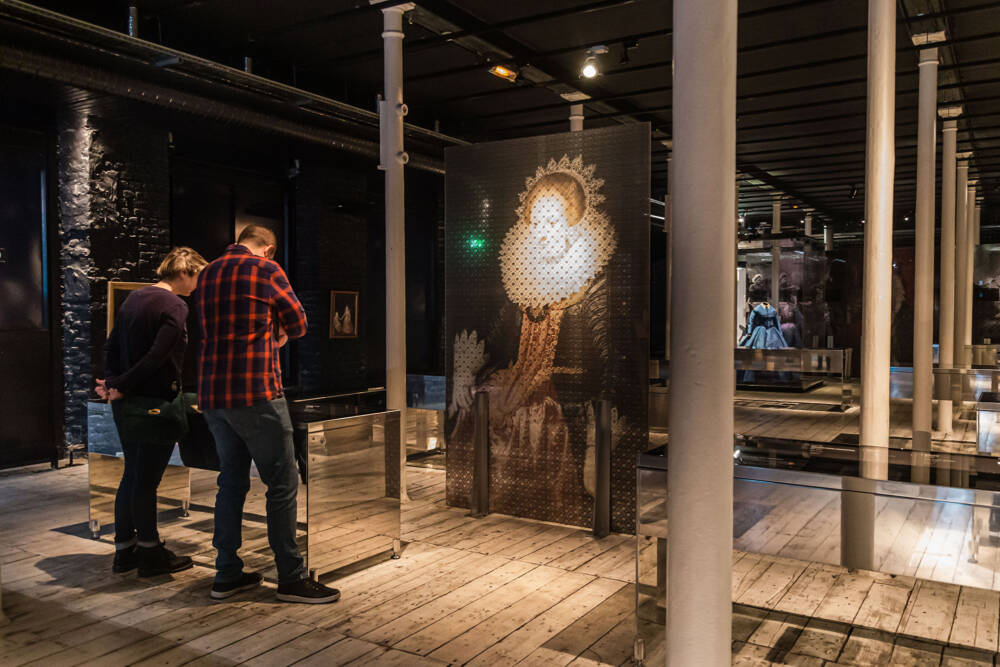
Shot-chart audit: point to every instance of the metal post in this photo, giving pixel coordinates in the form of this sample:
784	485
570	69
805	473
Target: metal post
393	158
827	238
668	226
961	259
602	467
946	298
248	64
809	224
970	261
775	250
575	117
977	233
858	518
480	500
133	21
775	214
923	316
700	455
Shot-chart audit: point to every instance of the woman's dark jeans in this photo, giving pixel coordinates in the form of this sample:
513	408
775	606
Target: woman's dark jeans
135	504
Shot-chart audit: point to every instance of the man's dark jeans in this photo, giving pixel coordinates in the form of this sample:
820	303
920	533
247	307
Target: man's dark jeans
260	433
135	503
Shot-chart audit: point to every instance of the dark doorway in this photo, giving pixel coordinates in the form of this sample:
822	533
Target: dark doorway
28	419
209	206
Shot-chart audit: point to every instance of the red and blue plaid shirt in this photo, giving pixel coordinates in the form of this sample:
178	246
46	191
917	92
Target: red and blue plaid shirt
242	298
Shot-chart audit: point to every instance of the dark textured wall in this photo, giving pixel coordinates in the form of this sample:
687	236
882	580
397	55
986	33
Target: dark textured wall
114	184
331	253
114	213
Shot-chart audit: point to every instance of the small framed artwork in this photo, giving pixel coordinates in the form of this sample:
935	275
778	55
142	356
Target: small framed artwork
343	314
117	293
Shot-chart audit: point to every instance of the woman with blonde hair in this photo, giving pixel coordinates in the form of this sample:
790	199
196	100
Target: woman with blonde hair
144	356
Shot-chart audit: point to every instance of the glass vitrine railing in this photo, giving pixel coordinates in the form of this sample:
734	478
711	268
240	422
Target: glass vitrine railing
935	516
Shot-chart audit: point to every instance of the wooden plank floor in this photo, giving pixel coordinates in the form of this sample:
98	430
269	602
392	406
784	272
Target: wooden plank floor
493	591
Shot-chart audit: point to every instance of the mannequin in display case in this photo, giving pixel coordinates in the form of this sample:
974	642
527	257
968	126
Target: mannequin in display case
763	329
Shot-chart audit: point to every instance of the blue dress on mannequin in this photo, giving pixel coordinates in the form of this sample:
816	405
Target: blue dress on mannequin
764	329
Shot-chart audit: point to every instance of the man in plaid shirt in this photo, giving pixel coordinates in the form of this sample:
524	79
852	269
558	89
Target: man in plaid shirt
248	311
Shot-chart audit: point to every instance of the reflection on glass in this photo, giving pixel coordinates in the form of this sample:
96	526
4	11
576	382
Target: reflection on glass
354	490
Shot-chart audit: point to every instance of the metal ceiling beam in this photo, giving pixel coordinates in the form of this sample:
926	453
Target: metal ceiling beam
820	85
666	32
481	29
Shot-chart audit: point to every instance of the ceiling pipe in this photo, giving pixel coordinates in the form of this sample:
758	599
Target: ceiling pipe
99	80
40	22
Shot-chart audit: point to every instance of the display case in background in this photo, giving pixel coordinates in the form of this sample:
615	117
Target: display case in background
795	287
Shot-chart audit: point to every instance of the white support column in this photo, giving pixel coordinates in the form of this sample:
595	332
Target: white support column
970	261
858	508
575	117
961	260
393	158
809	224
827	238
946	298
700	465
923	315
879	172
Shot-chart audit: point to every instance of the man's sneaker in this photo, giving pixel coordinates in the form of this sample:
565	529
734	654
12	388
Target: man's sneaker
125	560
246	581
307	591
158	560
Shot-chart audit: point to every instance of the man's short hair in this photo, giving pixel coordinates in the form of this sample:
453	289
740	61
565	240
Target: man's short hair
258	235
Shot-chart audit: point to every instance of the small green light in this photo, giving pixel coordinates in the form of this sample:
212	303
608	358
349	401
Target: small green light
477	244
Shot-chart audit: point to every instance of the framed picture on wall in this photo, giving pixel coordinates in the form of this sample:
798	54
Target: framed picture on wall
343	314
117	293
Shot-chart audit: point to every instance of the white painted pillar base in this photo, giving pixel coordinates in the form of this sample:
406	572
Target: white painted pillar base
700	464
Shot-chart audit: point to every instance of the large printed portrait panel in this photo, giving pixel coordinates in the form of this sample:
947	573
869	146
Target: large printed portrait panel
547	297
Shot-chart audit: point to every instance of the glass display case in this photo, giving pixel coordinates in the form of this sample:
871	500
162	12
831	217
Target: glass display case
799	502
988	423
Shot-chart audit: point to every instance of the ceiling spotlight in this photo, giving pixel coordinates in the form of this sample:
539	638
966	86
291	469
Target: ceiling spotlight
504	72
590	67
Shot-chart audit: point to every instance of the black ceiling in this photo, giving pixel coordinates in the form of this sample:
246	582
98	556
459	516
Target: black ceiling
801	87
